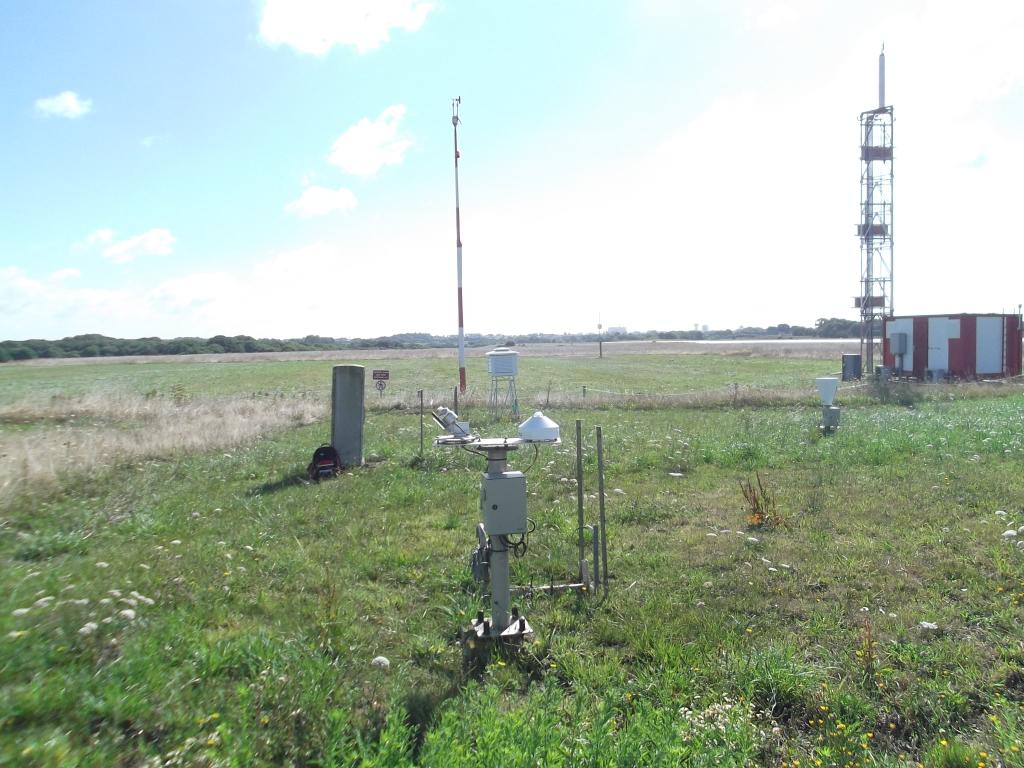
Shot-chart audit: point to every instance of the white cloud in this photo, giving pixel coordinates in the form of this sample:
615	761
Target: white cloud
316	26
371	144
100	237
293	293
65	104
284	295
147	142
69	273
320	201
152	242
39	309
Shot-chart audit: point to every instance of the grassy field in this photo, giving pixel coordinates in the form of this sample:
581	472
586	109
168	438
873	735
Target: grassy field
193	602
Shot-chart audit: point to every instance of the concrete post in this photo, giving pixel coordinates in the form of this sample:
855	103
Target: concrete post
347	413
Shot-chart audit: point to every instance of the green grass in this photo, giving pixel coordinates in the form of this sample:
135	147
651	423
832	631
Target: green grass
270	597
631	373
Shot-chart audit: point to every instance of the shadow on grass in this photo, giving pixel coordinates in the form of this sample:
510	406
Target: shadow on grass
423	708
296	477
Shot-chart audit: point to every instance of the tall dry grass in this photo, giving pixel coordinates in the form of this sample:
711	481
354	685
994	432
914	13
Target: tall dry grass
47	441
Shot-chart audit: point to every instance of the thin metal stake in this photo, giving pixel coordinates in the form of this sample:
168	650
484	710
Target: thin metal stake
600	497
420	393
455	400
579	490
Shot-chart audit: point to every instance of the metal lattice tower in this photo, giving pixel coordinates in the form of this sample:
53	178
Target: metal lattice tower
876	223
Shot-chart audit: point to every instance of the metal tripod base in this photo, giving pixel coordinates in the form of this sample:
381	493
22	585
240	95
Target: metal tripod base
482	631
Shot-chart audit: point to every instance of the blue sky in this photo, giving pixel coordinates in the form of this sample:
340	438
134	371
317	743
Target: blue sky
282	168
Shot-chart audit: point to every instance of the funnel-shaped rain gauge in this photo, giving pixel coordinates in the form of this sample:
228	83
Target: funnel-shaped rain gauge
827	388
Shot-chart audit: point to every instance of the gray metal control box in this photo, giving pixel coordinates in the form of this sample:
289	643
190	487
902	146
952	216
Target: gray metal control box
503	503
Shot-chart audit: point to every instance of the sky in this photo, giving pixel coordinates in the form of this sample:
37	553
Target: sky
279	168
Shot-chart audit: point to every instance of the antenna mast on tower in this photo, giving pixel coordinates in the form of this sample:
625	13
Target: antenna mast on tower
458	248
875	227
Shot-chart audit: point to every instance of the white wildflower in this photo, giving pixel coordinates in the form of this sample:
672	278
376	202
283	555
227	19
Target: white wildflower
42	602
127	614
102	564
20	611
380	662
88	628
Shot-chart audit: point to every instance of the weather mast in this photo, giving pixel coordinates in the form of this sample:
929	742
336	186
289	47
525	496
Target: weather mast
458	249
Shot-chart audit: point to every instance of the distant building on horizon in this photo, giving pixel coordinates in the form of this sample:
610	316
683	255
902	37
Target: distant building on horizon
616	330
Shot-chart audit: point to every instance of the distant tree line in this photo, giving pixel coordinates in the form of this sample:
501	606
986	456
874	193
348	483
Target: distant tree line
96	345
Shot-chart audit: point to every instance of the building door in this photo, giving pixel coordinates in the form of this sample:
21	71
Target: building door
989	350
940	331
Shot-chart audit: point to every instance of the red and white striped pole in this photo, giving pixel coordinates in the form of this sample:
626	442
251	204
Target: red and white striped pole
458	249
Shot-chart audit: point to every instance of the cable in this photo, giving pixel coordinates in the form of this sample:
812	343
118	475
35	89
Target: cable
536	453
518	547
